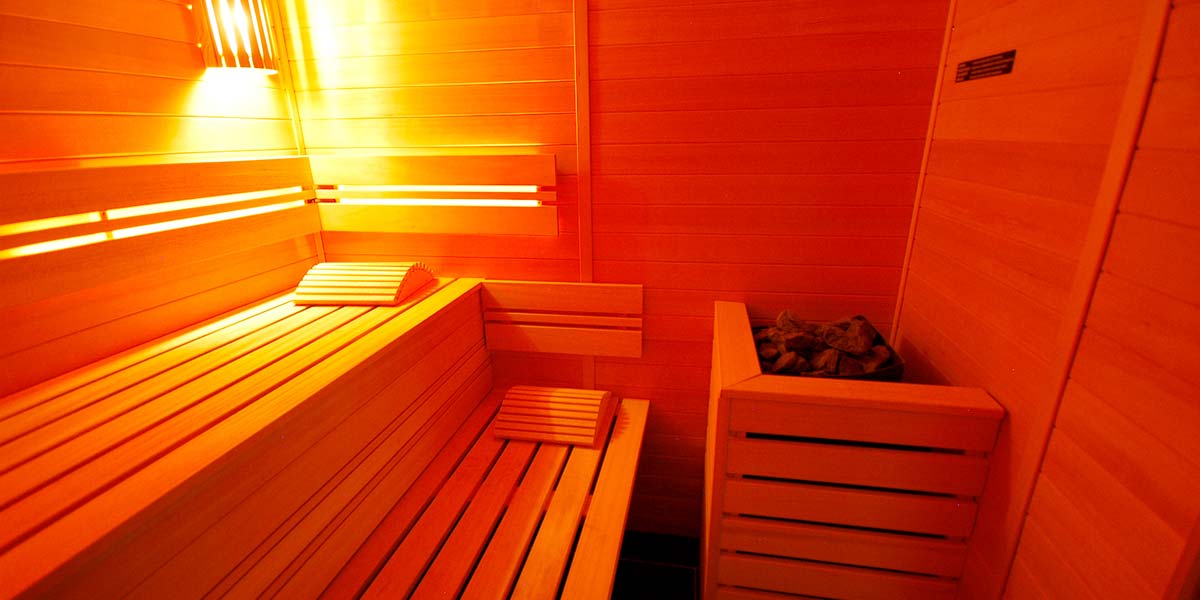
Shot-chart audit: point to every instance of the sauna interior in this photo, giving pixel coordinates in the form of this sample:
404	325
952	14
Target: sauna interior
1006	189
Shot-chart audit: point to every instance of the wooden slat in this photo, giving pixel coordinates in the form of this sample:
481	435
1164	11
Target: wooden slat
544	567
351	581
879	510
402	573
532	169
500	316
830	580
538	220
498	569
40	276
447	575
361	283
844	546
562	297
598	547
564	340
204	456
905	470
74	191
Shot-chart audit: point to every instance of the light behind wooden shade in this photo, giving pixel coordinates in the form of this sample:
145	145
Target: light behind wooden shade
361	284
237	34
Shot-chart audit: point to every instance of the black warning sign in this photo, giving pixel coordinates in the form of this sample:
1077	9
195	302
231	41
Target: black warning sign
988	66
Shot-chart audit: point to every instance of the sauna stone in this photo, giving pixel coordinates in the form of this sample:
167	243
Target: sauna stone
847	347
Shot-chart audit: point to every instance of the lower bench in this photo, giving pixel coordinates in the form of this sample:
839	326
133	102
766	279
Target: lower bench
495	518
255	454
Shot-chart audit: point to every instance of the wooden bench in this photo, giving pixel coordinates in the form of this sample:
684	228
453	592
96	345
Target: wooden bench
272	450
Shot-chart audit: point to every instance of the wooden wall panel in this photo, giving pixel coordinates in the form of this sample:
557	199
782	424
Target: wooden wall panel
764	151
1123	451
443	77
94	83
1014	168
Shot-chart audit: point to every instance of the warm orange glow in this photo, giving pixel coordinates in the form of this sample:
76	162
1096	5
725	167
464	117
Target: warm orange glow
52	245
50	223
129	232
239	35
502	189
162	207
511	202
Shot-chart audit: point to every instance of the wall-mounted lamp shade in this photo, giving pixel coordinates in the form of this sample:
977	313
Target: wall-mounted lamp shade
237	34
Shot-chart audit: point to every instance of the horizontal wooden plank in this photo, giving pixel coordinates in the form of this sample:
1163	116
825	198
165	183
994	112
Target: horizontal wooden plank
165	20
883	157
441	131
343	14
466	99
375	38
535	318
837	280
1064	116
36	137
768	219
31	41
497	66
936	472
73	191
53	90
600	298
1158	186
795	54
539	220
795	577
742	189
839	410
842	506
525	169
564	340
943	558
710	21
761	125
888	87
40	276
1040	169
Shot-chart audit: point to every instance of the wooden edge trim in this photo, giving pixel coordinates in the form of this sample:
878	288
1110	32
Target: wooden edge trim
894	337
604	527
583	139
1104	212
840	393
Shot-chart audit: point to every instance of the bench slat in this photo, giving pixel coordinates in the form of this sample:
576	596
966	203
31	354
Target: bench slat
351	581
34	396
449	571
548	557
609	507
269	545
497	570
402	572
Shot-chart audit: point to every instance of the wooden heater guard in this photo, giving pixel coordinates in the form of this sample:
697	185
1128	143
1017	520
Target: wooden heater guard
835	488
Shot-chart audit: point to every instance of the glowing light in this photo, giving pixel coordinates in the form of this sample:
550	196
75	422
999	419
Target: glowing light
240	35
508	202
129	232
50	223
52	245
500	189
162	207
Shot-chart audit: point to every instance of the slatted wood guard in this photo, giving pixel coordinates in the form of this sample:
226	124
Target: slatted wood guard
496	518
555	415
835	488
564	318
361	283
